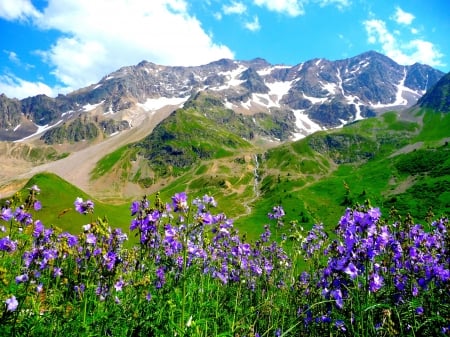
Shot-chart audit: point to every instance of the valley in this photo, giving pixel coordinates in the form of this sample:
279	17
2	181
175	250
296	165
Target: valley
220	141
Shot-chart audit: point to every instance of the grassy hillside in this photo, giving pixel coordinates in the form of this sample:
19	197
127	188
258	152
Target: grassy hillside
391	162
377	159
57	197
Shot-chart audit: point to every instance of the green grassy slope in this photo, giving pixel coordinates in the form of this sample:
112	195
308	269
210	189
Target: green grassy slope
387	160
57	197
363	161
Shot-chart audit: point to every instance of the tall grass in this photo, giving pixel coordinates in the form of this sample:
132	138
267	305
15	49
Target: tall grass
192	274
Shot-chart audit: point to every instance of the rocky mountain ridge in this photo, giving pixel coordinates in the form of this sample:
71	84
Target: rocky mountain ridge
438	97
317	94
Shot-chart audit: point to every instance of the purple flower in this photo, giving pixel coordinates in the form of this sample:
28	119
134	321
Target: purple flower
72	240
351	270
91	239
57	272
419	311
375	283
79	289
8	245
336	294
6	214
21	278
35	188
134	224
208	200
38	228
79	205
84	207
179	202
135	206
278	213
374	214
37	205
119	285
340	325
161	278
89	205
110	260
11	303
22	216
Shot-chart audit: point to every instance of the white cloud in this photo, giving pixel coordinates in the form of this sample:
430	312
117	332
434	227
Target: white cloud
17	9
289	7
405	53
234	8
403	17
103	35
253	25
341	4
15	87
12	56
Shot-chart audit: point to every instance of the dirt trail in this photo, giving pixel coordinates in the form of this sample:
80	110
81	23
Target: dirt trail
77	166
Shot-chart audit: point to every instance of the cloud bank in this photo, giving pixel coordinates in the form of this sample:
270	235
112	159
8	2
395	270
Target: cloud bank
402	50
98	37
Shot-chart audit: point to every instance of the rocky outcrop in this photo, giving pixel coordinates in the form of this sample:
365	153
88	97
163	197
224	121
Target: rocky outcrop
328	93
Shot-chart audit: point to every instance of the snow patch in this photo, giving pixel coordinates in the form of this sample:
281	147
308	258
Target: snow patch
263	99
351	99
41	129
399	100
268	71
279	89
109	111
315	100
228	105
304	124
66	113
330	87
89	107
232	78
247	105
153	104
358	112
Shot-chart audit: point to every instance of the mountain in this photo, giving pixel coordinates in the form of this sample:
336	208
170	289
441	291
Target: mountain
438	97
315	95
198	144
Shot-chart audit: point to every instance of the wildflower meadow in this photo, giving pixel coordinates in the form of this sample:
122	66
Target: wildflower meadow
189	272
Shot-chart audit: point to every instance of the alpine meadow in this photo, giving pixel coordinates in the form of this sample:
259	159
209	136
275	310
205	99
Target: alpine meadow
237	198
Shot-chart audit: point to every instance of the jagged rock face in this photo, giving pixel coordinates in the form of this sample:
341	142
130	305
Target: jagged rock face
438	97
318	94
10	112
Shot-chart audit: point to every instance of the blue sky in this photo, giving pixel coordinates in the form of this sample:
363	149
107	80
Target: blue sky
56	46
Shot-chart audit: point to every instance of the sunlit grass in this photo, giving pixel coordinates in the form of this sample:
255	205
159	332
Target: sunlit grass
191	273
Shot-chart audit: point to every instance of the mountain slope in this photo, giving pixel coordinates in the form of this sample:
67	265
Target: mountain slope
317	94
245	132
438	97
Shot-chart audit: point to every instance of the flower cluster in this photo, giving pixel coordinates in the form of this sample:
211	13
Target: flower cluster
367	277
386	265
178	236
